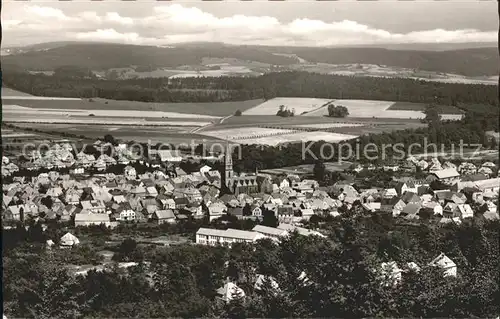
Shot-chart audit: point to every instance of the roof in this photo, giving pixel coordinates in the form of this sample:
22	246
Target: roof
84	217
446	173
230	233
165	214
269	230
442	261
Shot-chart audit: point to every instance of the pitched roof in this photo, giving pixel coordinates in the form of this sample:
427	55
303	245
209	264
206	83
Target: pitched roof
165	214
269	230
446	173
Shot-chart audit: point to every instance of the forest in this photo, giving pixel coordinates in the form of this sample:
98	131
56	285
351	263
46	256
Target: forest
342	275
102	56
268	86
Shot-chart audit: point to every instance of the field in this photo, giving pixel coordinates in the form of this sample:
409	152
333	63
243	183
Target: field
388	109
170	135
6	92
300	105
214	109
247	133
269	136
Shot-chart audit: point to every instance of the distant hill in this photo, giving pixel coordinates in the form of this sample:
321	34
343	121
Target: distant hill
469	62
430	46
99	56
103	56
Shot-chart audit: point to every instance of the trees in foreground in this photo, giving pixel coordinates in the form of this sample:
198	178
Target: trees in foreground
337	276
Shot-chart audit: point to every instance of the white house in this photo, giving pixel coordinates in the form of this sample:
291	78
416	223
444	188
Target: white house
69	240
442	261
127	215
212	237
164	216
229	290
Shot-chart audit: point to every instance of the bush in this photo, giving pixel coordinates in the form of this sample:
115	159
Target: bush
237	113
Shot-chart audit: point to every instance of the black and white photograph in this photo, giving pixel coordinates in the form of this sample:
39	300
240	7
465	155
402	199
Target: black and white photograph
250	159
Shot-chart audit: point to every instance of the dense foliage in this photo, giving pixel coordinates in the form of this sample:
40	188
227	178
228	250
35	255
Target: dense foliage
283	111
341	278
282	84
337	111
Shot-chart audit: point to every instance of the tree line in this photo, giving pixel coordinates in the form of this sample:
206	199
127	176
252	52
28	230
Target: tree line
340	276
267	86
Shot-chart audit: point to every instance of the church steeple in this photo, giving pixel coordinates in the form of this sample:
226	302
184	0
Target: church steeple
228	164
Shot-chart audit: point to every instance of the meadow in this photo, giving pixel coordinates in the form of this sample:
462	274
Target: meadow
300	105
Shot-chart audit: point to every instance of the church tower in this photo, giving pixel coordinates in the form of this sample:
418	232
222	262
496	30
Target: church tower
228	165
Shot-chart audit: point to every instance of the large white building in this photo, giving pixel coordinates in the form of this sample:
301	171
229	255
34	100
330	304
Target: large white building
212	237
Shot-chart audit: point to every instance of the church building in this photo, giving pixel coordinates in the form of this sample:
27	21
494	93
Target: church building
237	184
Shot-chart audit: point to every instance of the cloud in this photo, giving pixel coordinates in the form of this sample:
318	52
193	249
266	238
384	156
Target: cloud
175	23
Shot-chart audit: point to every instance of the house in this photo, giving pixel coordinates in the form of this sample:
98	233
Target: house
127	215
448	175
372	206
171	156
228	292
85	219
94	206
181	203
271	232
151	191
69	240
168	203
434	208
256	211
212	237
68	212
462	211
164	216
14	213
411	211
442	261
389	193
216	210
410	198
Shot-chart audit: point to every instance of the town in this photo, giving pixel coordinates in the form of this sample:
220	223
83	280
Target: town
285	160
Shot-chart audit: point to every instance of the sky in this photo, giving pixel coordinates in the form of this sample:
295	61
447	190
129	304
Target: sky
258	22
